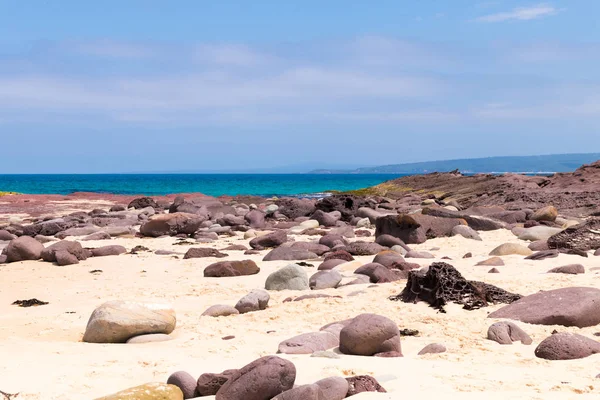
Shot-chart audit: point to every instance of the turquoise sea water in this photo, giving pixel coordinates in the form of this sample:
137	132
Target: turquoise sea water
209	184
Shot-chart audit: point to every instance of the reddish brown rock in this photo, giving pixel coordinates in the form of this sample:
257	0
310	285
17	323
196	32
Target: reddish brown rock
23	248
363	383
507	332
566	346
369	334
231	268
573	306
201	252
209	384
572	269
433	348
415	228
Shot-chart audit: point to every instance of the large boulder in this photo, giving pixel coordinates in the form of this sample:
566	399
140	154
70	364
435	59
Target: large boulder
539	232
117	321
272	239
326	219
308	343
369	334
583	237
23	248
262	379
333	388
377	273
573	306
231	268
290	277
347	205
302	392
572	269
566	346
415	228
149	391
388	258
172	224
73	248
390	241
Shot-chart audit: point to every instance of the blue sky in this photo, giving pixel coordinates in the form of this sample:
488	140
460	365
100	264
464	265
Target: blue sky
120	86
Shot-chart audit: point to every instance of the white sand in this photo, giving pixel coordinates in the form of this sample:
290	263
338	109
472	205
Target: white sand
42	356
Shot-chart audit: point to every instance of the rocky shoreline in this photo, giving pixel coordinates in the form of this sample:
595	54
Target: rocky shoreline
252	298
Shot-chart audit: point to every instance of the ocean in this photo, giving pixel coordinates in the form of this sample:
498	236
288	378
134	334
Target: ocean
267	185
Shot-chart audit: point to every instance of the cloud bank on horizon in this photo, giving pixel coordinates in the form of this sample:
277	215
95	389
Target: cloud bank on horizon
478	79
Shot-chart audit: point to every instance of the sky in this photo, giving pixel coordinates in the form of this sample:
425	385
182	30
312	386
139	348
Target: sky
145	86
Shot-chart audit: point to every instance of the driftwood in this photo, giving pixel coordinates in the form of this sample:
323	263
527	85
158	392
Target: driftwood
442	284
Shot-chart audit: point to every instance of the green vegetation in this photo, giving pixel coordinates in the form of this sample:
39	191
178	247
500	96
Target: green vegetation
7	193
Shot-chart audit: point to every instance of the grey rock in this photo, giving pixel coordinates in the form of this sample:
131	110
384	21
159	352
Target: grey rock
325	279
256	300
506	332
290	277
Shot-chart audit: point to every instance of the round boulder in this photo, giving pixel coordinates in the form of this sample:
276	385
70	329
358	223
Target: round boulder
23	248
290	277
566	346
369	334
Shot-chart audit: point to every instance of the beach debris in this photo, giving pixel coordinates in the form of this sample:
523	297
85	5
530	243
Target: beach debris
442	283
582	237
138	249
9	396
96	271
29	303
409	332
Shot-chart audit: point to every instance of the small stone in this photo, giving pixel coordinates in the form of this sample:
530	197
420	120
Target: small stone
506	332
149	338
363	383
185	382
325	354
256	300
433	348
220	310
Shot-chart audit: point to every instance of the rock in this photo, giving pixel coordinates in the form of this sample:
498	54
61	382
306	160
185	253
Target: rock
325	219
491	262
118	321
346	205
548	213
494	271
2	259
466	231
507	249
303	392
220	310
542	255
44	239
433	348
112	250
339	255
572	269
315	248
313	296
477	222
325	280
597	253
289	254
419	254
262	379
256	300
142	202
330	240
256	219
63	257
368	334
377	273
363	223
415	228
117	207
364	248
367	212
231	268
23	248
538	245
74	248
330	264
308	343
172	224
185	382
388	258
209	384
201	252
79	231
150	338
506	332
566	346
572	306
539	232
290	277
363	383
583	237
6	235
101	235
333	388
390	241
294	208
149	391
272	239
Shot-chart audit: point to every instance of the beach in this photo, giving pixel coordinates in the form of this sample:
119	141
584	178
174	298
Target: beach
43	356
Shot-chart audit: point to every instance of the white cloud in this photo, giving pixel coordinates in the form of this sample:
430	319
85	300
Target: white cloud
521	14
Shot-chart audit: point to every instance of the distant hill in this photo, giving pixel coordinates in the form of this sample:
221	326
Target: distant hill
527	164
